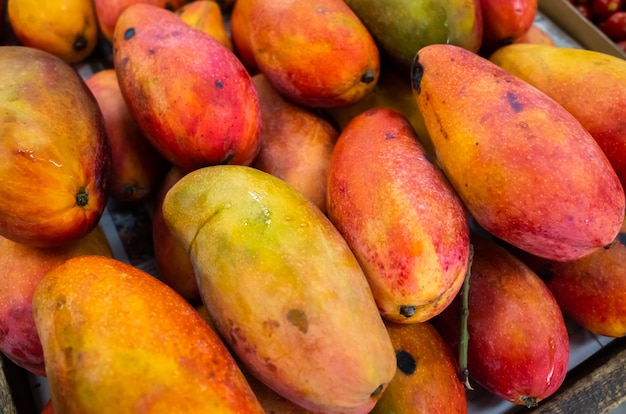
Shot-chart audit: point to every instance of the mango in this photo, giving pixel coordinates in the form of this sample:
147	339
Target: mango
590	290
590	85
527	170
22	267
54	168
402	27
323	56
535	35
518	346
427	379
206	114
206	16
296	143
116	339
504	20
399	215
137	167
282	288
109	11
66	28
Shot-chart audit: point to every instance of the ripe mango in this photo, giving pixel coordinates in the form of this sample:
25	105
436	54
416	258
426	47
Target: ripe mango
206	16
66	28
590	85
590	290
240	34
320	55
118	340
296	143
399	215
402	27
208	113
504	20
282	288
22	267
427	379
54	167
525	168
518	344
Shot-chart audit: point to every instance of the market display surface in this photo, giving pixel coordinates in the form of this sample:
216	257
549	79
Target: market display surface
306	206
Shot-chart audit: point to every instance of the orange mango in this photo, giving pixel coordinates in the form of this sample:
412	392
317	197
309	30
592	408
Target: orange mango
206	16
54	168
427	378
526	169
323	56
116	339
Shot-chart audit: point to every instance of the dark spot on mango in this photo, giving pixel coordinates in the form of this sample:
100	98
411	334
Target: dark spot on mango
82	197
129	33
80	43
407	311
369	76
298	318
378	391
219	84
405	362
151	52
170	6
389	135
515	104
417	72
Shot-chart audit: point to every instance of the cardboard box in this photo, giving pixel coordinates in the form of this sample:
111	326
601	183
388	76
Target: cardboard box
565	15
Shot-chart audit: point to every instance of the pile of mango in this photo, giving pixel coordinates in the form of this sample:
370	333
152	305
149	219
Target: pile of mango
356	207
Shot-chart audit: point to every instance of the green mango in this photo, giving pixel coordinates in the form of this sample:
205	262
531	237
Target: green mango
282	287
402	27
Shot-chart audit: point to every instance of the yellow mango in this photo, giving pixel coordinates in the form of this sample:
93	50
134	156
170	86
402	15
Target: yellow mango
525	168
65	28
282	288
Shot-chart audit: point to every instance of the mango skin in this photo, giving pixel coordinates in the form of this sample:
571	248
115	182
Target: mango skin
116	339
282	287
109	11
324	57
296	143
208	113
525	168
399	215
22	267
590	85
504	20
54	168
518	345
206	16
402	27
590	290
136	166
427	379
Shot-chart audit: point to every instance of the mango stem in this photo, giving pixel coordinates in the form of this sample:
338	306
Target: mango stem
463	370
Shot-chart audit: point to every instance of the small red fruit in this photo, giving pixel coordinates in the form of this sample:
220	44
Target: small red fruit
615	26
601	9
